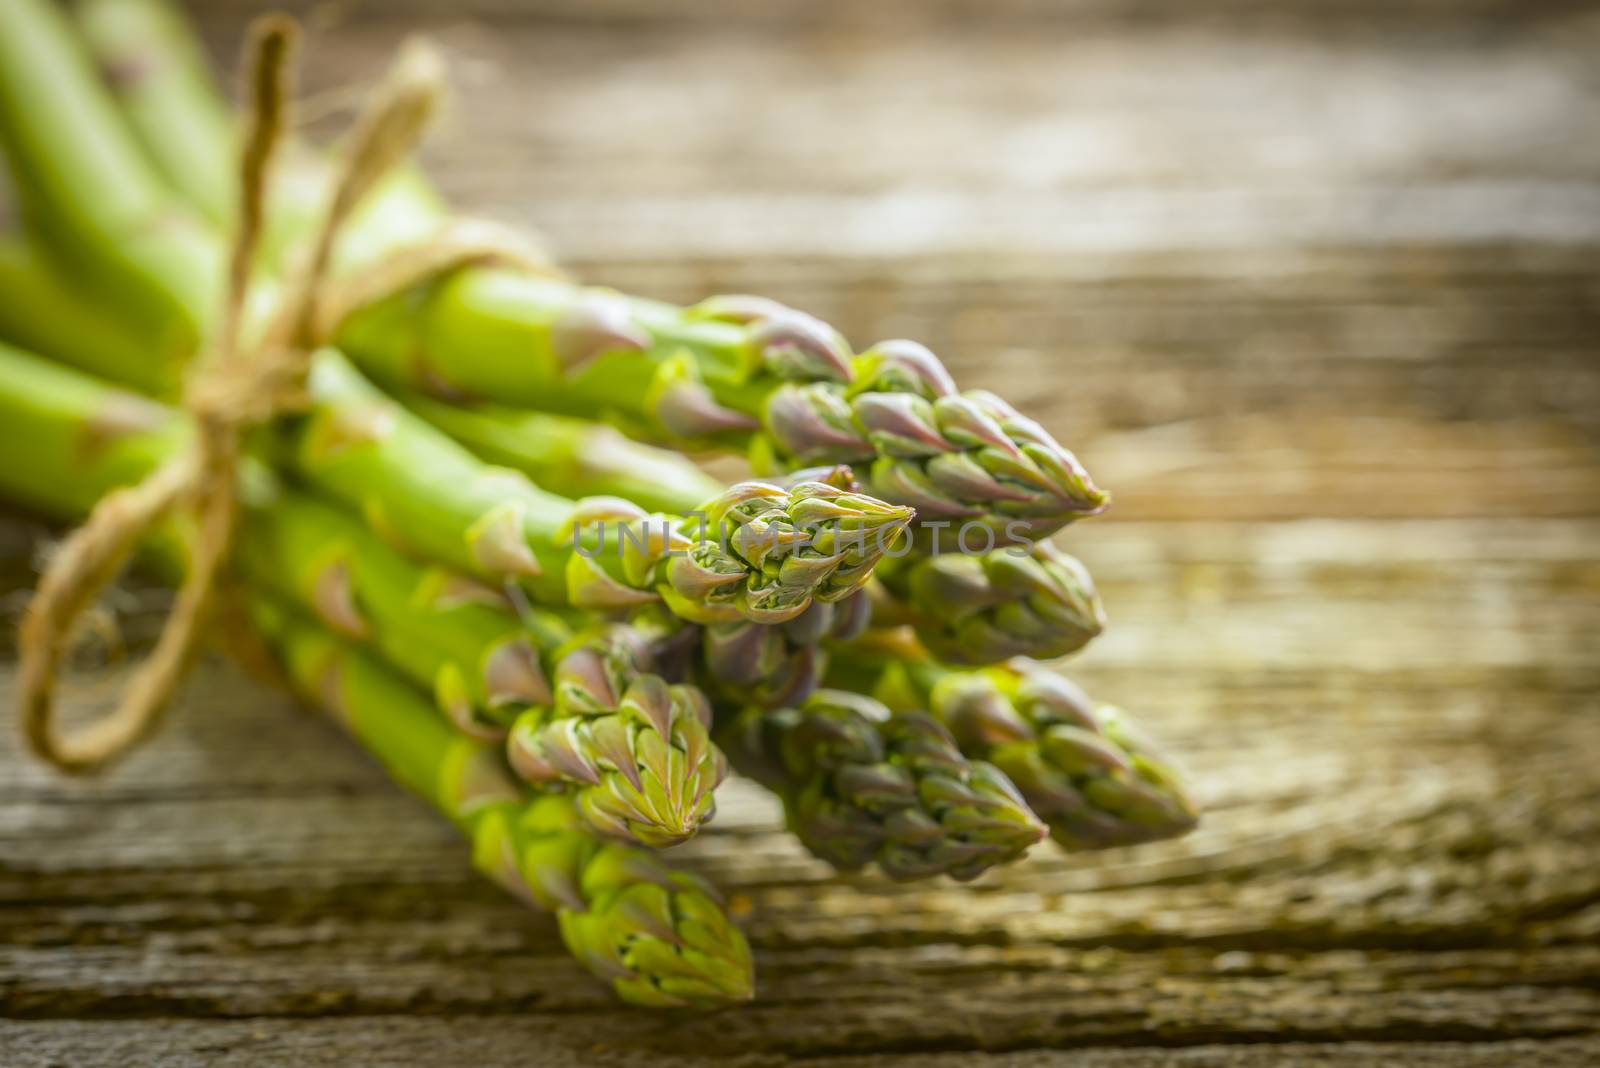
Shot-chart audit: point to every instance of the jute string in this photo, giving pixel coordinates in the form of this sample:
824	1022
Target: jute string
232	390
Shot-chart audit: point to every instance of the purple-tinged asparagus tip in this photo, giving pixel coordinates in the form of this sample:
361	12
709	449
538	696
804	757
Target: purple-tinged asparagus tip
796	346
789	343
902	366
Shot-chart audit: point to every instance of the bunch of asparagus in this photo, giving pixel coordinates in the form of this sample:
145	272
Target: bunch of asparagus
559	634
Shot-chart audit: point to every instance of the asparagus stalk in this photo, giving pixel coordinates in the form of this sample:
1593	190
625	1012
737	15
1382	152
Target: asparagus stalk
736	371
659	936
756	552
745	662
862	787
82	180
642	768
1090	774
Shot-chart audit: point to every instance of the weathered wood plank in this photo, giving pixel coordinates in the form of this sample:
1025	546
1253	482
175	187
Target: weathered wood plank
1071	142
1310	286
534	1043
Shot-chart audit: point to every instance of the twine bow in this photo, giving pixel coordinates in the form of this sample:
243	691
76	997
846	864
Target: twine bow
233	390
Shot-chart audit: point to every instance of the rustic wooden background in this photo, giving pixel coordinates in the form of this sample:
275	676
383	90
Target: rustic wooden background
1314	287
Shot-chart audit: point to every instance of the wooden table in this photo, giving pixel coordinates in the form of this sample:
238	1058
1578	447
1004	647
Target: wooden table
1312	287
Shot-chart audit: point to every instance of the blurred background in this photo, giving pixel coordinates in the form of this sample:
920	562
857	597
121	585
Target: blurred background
1311	287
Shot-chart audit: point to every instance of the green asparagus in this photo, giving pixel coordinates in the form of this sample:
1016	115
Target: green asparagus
1088	772
648	767
861	786
757	593
659	936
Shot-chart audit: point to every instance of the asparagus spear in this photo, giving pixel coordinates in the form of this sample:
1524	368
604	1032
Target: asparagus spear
82	180
736	371
659	936
755	552
646	767
747	662
1084	768
860	786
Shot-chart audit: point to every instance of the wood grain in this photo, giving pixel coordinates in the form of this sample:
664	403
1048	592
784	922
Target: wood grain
1311	287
